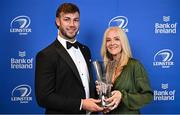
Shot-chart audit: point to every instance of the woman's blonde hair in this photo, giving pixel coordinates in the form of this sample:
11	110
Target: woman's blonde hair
126	51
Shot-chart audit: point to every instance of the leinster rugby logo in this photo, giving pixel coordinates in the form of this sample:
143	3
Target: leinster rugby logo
20	24
21	93
120	21
163	58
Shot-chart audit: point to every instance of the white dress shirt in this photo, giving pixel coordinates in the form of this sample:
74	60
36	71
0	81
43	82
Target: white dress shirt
80	63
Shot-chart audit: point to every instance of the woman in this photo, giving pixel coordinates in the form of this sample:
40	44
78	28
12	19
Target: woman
131	88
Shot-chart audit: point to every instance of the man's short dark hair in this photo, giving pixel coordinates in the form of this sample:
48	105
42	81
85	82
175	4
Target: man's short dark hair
67	8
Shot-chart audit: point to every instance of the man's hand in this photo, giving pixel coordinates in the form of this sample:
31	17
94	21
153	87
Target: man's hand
91	105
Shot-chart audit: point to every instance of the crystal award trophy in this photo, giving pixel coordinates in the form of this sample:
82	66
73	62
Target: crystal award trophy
104	72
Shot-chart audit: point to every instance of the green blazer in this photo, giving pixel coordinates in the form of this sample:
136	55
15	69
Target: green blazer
134	85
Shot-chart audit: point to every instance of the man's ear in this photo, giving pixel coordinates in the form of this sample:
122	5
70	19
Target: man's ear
57	21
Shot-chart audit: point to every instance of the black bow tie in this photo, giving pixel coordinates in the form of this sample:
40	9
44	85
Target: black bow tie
69	45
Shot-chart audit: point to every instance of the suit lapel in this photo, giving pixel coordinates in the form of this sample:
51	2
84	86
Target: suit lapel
64	54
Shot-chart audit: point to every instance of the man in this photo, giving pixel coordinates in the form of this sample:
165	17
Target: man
63	82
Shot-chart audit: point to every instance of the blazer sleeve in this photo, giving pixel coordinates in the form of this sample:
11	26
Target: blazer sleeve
142	93
45	86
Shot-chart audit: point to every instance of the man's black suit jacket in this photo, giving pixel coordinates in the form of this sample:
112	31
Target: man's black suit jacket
58	86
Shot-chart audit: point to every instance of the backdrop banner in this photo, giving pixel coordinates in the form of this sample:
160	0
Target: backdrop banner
27	26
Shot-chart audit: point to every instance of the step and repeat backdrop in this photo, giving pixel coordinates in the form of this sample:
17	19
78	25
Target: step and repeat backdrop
27	26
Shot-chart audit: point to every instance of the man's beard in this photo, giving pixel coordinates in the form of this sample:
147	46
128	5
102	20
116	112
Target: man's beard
65	35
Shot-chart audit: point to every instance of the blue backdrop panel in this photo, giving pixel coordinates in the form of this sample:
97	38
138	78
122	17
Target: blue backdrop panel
28	26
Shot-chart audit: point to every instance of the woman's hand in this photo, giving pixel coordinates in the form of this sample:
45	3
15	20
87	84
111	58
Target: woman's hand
113	101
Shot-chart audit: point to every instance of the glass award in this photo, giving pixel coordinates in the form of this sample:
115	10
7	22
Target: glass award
104	72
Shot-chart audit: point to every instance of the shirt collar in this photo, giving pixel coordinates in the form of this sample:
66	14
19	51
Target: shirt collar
63	41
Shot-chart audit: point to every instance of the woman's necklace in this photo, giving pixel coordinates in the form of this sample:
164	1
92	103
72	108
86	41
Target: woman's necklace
117	71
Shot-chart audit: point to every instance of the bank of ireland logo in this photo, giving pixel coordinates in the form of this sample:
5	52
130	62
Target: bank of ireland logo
20	24
164	86
164	94
163	58
22	54
166	18
168	26
21	93
22	62
120	21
